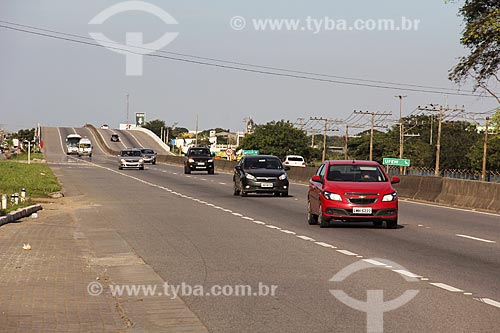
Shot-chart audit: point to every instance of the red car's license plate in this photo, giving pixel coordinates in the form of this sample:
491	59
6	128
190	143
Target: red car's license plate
362	210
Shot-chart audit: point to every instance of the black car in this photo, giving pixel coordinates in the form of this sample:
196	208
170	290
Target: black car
115	137
199	159
149	155
260	174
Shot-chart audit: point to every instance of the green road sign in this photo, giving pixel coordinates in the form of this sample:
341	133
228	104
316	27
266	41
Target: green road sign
139	119
250	152
396	161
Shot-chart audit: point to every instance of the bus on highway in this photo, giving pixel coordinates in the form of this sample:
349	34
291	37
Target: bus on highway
72	142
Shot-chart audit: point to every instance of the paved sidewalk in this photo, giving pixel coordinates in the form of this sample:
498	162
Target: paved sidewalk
45	289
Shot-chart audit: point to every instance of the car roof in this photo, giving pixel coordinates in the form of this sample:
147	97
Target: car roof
364	162
294	156
260	156
133	149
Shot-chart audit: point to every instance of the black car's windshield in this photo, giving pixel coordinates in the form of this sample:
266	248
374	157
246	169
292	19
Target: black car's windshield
262	163
355	173
199	152
131	153
147	151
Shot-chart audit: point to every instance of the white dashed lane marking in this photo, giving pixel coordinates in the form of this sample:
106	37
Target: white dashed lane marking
446	287
406	273
306	238
374	262
490	302
475	238
347	253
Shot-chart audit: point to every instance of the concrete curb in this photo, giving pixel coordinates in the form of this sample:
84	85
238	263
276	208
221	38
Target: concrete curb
19	214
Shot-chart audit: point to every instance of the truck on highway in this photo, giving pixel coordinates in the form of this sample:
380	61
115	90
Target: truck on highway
72	142
85	147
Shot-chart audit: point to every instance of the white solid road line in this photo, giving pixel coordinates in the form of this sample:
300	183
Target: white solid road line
446	287
60	141
475	238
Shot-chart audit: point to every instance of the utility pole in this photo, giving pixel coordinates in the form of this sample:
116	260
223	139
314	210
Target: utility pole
485	149
401	130
346	141
373	114
438	143
325	130
441	110
313	134
196	130
323	157
127	110
432	125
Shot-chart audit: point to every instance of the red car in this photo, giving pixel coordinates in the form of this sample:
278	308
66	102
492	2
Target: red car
352	191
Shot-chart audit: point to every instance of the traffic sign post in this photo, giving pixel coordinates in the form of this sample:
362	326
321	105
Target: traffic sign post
396	161
229	153
140	118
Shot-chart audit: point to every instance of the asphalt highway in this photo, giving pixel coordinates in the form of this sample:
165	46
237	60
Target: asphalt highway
192	230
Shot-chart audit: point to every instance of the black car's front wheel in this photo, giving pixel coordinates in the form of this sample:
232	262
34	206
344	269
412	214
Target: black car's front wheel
187	171
236	191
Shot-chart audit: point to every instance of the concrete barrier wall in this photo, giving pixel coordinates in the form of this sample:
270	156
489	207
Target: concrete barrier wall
450	191
470	194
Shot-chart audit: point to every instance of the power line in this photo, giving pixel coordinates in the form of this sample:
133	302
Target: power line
234	67
238	63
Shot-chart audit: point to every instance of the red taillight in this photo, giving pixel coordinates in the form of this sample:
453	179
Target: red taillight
287	162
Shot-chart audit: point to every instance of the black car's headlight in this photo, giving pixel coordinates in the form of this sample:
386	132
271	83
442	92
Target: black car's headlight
250	176
283	177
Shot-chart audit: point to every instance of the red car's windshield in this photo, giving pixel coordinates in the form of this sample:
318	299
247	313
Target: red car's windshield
355	173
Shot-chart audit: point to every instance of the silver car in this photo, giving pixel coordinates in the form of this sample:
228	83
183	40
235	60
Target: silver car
148	155
131	158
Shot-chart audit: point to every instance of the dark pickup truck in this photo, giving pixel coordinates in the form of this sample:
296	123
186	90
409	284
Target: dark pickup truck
198	159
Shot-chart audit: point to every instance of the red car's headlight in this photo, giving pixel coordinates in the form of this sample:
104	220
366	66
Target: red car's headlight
332	196
390	197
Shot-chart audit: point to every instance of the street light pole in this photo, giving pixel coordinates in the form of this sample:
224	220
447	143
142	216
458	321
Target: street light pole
127	111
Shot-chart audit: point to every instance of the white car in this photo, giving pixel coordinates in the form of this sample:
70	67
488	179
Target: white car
105	126
295	161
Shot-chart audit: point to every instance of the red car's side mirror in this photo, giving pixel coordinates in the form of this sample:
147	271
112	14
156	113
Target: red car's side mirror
395	180
316	178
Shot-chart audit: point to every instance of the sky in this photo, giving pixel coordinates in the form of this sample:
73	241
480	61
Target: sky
61	83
